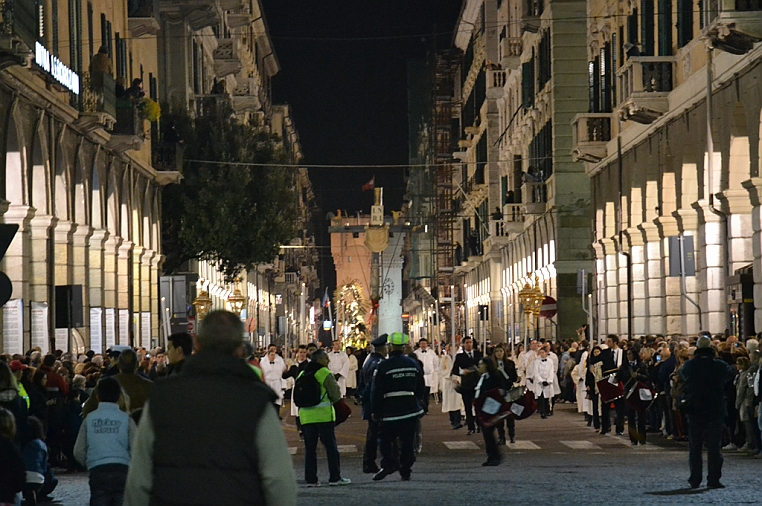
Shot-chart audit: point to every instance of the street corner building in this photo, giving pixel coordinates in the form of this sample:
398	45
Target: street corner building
502	205
86	155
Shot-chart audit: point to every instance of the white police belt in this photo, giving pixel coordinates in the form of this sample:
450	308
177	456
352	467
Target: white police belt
399	394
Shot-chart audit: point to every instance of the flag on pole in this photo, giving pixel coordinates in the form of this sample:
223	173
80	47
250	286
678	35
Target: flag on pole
326	300
370	184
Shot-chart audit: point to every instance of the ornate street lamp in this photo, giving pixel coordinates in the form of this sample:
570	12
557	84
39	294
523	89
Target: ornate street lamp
202	304
237	300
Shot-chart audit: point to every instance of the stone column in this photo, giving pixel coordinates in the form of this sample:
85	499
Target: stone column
600	310
156	262
16	263
96	267
639	296
736	205
754	187
137	301
390	307
712	268
147	302
611	286
654	275
673	299
42	270
81	269
124	285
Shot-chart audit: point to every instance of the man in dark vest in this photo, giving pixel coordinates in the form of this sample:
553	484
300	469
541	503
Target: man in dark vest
705	378
363	396
210	436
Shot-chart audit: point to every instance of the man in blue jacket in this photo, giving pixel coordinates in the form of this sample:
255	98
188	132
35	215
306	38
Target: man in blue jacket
396	399
104	444
363	396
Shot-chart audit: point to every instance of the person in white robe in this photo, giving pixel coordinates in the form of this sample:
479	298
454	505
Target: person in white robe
452	402
540	380
353	365
339	366
430	361
273	366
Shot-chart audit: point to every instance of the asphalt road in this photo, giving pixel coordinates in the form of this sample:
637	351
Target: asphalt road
554	461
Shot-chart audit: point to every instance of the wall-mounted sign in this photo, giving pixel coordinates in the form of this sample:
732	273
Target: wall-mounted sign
53	66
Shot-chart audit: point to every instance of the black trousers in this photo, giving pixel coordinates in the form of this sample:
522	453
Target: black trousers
620	408
425	400
371	446
706	431
636	424
511	428
490	444
543	406
468	403
455	418
404	430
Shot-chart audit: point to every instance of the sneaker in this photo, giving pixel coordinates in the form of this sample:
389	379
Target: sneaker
745	448
670	437
313	485
501	441
730	446
342	481
715	485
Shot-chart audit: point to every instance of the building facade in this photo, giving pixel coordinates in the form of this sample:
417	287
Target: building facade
525	204
78	178
670	142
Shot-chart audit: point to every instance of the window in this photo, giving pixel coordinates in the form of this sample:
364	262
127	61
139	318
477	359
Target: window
527	84
121	56
90	35
614	66
481	160
54	22
607	75
665	27
544	61
541	153
75	35
594	84
684	22
647	27
106	35
632	27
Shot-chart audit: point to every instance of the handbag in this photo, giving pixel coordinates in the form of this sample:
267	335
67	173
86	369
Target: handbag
343	411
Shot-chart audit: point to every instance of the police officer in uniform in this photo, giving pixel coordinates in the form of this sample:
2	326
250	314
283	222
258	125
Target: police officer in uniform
396	404
363	397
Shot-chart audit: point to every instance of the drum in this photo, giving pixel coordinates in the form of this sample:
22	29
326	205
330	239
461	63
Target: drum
640	396
491	407
610	389
524	407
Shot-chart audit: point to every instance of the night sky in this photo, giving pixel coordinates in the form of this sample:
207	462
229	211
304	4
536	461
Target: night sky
343	72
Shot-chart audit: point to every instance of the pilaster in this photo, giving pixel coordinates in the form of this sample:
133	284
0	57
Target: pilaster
712	267
124	273
147	303
754	188
17	261
41	280
654	276
639	280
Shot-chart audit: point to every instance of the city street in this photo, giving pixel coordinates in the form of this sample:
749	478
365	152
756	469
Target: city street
555	461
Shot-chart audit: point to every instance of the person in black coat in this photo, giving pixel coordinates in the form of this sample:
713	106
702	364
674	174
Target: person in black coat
13	476
507	369
705	377
464	366
490	379
632	372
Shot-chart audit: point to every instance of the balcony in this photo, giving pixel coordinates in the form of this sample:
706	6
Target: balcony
128	131
208	105
227	61
143	17
231	5
737	26
168	156
535	197
501	230
591	133
18	32
495	83
203	16
292	278
239	18
475	190
246	96
645	83
98	102
510	49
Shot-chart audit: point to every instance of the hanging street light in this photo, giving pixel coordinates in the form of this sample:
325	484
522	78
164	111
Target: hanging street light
202	304
237	301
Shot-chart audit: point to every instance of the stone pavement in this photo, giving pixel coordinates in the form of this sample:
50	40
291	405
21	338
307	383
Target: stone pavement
555	461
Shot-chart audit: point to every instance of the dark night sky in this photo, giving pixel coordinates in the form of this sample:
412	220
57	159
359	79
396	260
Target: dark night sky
349	97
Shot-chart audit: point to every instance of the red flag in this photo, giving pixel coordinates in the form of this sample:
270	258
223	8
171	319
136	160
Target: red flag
370	184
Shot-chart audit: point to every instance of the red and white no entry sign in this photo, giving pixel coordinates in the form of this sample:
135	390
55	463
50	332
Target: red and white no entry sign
549	307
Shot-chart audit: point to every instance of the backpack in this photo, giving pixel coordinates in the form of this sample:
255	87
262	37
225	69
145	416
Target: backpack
306	390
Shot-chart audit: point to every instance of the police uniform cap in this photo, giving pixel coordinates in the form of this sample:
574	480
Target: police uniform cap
398	339
380	340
